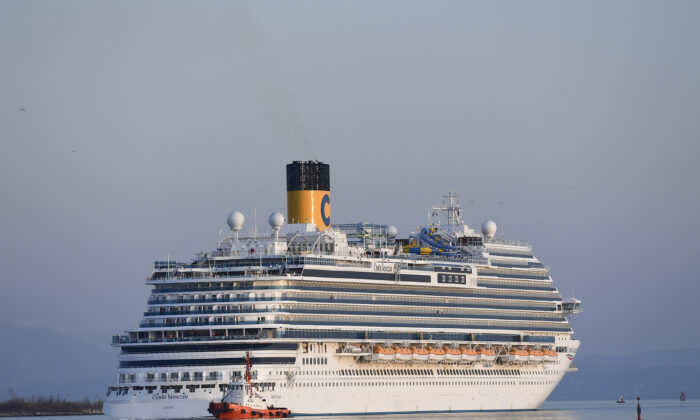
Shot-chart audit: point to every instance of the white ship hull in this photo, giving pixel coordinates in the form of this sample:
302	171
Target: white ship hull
413	399
449	394
455	394
149	408
322	390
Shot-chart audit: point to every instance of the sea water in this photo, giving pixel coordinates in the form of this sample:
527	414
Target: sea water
554	410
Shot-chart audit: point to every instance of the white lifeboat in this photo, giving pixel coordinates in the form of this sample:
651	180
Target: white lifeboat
419	354
468	354
485	355
402	354
452	354
535	355
550	356
382	354
435	354
517	355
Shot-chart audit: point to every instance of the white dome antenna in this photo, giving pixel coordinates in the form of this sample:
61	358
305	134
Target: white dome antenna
391	231
489	228
276	220
235	222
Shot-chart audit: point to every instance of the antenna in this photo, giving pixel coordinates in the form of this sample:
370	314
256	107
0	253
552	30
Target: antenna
255	222
500	222
451	207
454	211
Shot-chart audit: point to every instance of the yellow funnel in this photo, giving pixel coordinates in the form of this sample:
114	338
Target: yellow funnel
309	193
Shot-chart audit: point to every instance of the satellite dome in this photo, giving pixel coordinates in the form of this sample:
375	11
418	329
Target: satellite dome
488	228
391	231
276	220
235	220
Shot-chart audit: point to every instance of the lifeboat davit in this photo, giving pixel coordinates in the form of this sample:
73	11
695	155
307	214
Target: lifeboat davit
550	356
452	355
468	354
382	354
352	349
224	410
485	355
419	354
535	355
518	355
435	354
402	354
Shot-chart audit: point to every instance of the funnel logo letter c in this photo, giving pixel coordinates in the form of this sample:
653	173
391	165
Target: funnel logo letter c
326	201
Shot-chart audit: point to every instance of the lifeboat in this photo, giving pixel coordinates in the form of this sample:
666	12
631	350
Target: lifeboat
468	354
485	355
517	355
420	354
382	354
435	354
535	355
402	354
452	355
550	355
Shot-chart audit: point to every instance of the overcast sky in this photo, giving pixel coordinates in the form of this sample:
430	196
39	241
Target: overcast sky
128	131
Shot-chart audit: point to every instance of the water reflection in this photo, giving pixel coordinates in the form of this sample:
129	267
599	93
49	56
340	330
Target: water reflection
517	415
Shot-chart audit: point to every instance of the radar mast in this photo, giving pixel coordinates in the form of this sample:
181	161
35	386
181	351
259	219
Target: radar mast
451	207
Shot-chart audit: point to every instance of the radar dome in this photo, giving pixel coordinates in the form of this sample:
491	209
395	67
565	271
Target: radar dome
276	220
235	220
391	231
488	228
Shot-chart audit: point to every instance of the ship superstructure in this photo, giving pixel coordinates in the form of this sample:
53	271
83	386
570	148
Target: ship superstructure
347	318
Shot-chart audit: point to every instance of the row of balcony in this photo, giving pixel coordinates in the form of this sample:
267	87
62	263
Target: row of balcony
331	310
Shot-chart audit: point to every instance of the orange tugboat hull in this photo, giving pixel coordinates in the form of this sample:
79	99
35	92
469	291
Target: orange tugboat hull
236	411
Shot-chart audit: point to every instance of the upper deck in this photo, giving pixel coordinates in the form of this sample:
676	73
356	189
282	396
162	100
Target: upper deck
355	281
360	247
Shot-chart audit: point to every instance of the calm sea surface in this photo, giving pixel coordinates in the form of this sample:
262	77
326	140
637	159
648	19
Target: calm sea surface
557	410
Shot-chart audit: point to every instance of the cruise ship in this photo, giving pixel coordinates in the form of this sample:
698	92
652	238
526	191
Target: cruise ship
348	318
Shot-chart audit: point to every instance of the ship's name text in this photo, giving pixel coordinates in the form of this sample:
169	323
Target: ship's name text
171	397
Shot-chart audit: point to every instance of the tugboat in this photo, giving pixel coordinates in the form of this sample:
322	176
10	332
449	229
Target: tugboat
620	400
682	396
242	402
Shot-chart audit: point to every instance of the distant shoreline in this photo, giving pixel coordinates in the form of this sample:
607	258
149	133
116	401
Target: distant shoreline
44	414
48	406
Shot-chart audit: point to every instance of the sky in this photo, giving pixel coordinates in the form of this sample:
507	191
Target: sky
129	130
